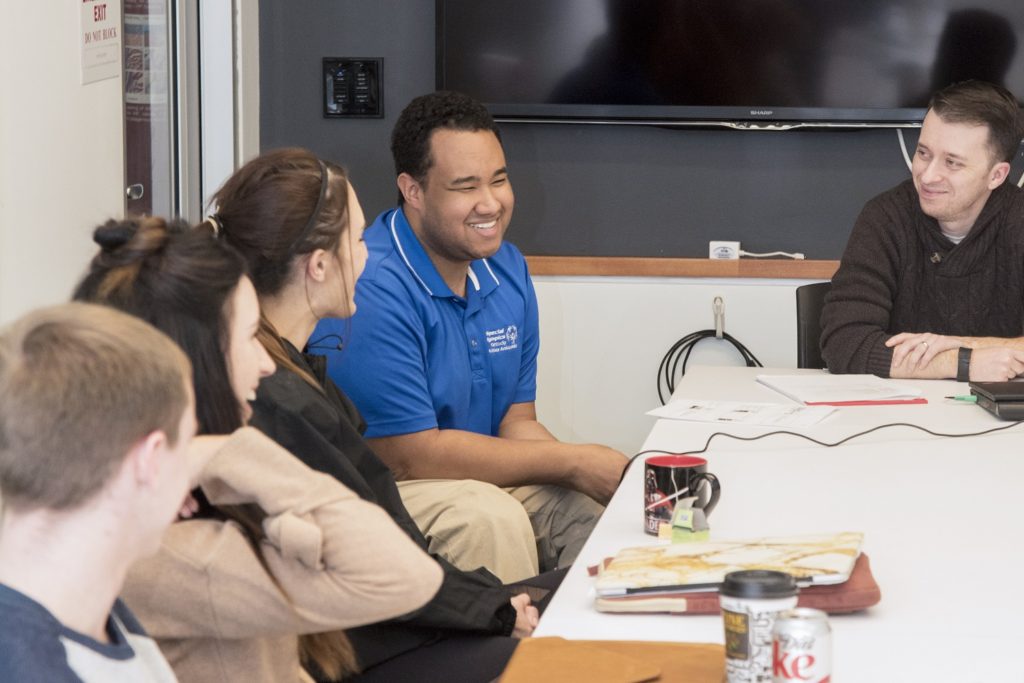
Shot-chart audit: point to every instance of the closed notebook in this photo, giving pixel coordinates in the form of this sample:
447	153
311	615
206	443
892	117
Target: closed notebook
1005	400
999	391
858	592
680	567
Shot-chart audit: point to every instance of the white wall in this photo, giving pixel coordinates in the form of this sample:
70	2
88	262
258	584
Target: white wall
61	156
602	339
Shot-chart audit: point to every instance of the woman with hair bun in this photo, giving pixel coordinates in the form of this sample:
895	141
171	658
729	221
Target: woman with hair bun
270	560
297	222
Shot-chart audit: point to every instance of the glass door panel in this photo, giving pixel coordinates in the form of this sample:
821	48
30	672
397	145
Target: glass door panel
148	108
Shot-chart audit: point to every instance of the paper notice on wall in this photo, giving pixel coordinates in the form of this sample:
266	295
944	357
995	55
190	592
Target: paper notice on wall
101	40
146	75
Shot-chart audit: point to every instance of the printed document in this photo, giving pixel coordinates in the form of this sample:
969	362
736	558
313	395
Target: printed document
737	412
842	390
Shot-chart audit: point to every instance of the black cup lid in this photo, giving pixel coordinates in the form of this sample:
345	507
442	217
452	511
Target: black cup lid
757	584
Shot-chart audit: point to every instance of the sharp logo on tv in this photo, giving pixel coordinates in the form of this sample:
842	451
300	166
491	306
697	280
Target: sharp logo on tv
762	112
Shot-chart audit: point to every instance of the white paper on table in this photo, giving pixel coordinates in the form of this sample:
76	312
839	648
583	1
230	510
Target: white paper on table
742	412
826	388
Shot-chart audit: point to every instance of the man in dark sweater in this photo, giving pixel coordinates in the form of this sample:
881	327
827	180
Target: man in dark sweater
931	284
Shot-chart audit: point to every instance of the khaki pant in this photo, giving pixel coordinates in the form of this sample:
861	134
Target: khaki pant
515	533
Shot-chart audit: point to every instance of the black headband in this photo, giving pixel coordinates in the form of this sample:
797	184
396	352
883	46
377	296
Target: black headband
308	228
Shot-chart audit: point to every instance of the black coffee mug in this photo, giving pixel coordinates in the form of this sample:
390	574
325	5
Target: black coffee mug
667	478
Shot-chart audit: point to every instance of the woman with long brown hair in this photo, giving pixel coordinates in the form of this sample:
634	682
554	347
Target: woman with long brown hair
270	550
286	212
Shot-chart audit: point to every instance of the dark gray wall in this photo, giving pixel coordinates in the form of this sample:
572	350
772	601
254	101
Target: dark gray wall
296	35
580	189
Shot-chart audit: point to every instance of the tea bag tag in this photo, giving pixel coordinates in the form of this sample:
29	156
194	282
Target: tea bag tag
688	523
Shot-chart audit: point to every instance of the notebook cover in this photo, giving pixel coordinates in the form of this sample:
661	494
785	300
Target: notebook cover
880	402
822	558
859	592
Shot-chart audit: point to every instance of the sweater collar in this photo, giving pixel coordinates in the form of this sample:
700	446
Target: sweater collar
991	213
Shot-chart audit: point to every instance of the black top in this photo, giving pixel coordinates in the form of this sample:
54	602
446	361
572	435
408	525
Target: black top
324	429
899	273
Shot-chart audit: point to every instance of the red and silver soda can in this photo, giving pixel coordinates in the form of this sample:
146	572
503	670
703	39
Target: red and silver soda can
802	647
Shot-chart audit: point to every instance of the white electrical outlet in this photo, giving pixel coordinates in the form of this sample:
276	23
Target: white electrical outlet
723	250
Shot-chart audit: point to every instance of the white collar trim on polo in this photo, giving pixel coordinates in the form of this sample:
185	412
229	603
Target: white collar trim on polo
408	264
473	278
487	264
401	251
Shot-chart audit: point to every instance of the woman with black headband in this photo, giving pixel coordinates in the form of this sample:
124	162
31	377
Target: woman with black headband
297	222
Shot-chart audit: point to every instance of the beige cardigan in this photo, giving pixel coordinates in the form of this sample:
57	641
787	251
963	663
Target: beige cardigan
340	562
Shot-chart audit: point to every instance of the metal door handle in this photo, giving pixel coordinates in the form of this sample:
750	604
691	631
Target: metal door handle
135	191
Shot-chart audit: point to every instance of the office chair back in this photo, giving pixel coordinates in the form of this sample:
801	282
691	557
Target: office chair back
809	301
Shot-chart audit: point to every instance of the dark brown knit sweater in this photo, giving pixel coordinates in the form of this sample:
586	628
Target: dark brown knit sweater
899	273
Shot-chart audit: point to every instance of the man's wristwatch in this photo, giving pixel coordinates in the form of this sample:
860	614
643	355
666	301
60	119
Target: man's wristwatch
963	364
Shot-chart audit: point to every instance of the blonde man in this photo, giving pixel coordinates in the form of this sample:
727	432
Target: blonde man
96	417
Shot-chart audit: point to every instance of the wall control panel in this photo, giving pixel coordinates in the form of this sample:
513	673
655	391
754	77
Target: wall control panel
352	87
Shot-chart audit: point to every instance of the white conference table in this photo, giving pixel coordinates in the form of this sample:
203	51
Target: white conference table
943	520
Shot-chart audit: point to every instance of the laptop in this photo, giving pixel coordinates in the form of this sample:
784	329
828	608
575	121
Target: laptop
1005	400
702	566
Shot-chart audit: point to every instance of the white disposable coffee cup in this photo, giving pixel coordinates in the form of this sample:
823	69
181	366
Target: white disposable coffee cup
750	601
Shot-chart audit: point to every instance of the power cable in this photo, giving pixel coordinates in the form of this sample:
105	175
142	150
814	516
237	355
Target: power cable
826	444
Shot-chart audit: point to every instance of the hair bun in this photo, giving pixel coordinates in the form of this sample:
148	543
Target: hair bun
113	235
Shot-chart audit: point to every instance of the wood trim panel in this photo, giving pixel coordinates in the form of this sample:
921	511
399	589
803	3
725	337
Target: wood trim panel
681	267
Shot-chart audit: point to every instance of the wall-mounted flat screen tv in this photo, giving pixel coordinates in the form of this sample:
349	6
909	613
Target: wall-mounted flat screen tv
817	62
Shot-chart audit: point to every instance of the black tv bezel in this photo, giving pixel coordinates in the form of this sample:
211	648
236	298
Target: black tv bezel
752	117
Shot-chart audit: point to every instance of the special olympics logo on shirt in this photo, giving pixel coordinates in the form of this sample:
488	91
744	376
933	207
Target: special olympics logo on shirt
502	339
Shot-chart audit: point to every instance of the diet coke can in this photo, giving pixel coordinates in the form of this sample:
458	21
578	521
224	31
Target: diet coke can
802	647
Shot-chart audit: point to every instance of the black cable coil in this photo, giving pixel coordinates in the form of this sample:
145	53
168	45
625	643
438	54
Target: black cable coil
680	351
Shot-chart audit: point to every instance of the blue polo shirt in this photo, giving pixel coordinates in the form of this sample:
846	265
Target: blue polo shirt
415	356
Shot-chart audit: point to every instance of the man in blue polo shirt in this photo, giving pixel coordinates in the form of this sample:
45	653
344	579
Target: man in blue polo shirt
441	357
